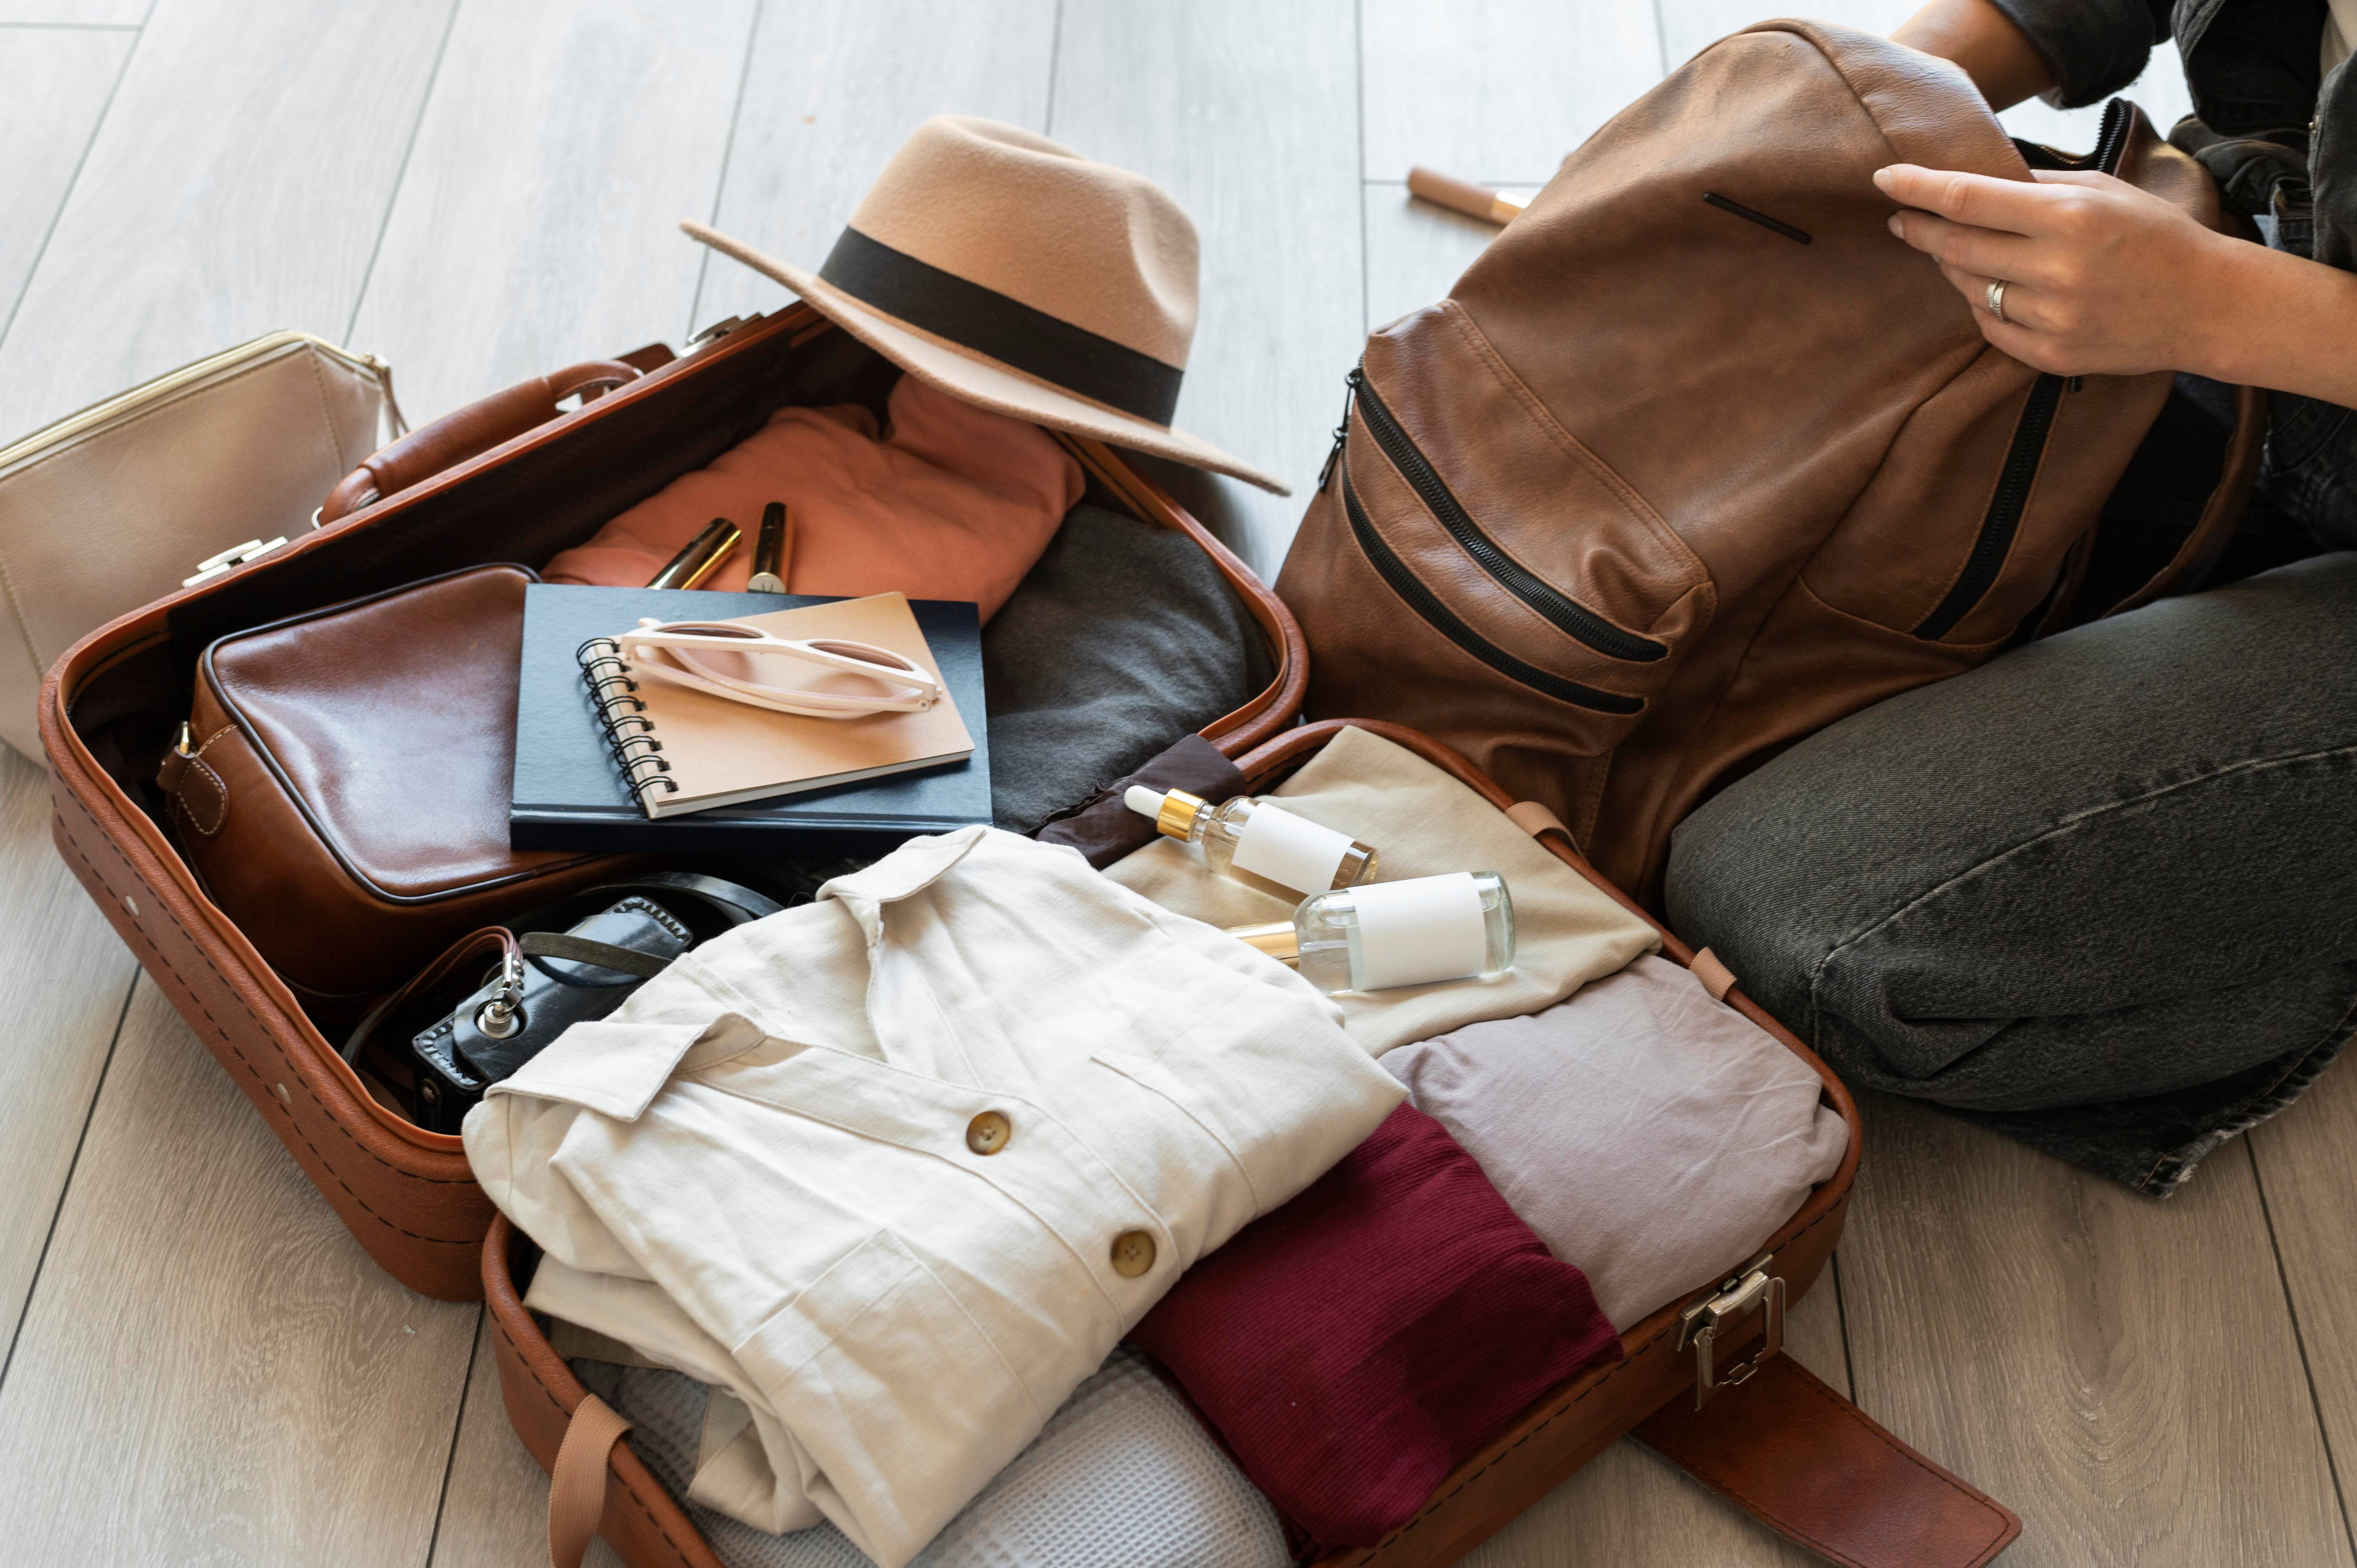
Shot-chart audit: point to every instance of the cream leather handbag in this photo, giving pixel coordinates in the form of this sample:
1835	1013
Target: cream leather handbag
188	476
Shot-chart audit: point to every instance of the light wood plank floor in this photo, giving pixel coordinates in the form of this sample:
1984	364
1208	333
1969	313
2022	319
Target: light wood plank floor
202	1367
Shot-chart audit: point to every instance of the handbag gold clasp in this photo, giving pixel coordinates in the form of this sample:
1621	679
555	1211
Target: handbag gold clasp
1749	1289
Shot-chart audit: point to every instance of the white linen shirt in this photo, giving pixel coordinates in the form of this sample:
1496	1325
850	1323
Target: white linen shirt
759	1169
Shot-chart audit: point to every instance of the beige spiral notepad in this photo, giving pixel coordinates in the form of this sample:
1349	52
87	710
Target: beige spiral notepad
720	753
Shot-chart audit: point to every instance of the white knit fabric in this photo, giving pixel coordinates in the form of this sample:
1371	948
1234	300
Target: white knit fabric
1121	1474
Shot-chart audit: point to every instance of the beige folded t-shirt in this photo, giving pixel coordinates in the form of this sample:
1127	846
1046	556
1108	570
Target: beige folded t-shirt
1423	823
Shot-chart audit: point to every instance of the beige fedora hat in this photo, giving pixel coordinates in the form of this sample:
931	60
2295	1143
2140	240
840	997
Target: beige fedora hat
1009	271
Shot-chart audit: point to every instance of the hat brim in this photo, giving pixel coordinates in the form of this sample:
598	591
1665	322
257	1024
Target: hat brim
983	382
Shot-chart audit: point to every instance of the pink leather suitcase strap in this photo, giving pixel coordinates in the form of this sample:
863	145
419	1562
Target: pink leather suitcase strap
1816	1469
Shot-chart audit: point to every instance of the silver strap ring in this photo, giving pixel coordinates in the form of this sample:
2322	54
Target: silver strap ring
1995	298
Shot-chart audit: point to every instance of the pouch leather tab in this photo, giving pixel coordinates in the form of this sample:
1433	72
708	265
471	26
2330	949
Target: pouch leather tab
1787	1449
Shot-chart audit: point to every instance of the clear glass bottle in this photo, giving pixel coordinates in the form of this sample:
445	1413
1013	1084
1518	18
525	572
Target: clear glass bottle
1259	837
1383	934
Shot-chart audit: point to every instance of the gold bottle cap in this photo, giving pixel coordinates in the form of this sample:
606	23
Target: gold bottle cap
1179	809
1174	812
1277	938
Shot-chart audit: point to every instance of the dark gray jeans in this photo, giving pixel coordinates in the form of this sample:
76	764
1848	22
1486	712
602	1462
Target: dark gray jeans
2099	895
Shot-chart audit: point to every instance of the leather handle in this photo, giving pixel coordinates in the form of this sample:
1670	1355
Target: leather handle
474	429
1822	1473
576	1486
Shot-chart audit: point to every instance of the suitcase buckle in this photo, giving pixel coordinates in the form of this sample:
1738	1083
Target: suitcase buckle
1750	1288
236	555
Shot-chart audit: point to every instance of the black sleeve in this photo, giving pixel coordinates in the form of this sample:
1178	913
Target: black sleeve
2094	46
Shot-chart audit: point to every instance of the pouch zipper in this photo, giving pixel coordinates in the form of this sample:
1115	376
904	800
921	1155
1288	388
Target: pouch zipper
124	403
1421	599
2028	449
1567	615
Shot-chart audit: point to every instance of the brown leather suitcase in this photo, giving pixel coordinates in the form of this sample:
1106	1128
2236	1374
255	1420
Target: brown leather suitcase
509	478
1771	1437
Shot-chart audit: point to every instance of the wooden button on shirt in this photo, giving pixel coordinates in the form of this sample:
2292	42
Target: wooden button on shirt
987	1134
899	1168
1133	1254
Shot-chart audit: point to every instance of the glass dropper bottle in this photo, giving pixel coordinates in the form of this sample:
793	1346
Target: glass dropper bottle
1258	837
1382	934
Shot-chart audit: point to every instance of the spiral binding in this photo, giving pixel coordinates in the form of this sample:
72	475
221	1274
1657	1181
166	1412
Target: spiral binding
614	692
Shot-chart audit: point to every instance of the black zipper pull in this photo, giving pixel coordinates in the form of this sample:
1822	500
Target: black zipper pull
1350	384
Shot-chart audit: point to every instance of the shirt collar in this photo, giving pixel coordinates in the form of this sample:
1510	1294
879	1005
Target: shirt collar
909	870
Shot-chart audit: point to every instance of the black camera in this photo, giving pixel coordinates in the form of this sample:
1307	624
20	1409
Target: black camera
530	985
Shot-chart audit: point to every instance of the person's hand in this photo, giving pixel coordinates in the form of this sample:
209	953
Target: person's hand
2100	277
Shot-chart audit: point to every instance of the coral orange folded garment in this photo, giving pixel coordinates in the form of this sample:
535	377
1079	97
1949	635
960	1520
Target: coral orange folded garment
952	502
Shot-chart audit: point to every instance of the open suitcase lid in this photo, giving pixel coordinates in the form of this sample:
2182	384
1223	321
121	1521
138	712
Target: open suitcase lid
478	485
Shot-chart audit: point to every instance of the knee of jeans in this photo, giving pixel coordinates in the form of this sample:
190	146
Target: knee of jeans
1747	907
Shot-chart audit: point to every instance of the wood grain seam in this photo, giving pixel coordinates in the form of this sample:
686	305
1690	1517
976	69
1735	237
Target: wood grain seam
325	1164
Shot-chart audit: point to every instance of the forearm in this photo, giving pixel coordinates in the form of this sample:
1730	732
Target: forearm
2281	322
1980	39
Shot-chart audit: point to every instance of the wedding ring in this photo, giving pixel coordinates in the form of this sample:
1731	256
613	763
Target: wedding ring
1994	296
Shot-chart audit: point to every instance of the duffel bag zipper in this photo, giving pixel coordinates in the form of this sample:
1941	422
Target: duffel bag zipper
1567	615
1424	603
2028	449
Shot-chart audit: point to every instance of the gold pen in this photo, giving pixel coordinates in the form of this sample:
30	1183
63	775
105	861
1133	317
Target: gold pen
703	555
773	550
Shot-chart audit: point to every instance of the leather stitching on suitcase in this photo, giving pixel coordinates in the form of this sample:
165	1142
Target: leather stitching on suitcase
243	1060
548	1393
1436	1504
1866	1423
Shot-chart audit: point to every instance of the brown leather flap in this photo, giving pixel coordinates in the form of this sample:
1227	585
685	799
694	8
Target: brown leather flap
1819	1471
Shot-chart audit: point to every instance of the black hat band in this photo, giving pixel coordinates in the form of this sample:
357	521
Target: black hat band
1005	330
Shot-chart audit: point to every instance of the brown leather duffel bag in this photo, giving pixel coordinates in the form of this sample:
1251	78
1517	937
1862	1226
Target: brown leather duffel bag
1697	458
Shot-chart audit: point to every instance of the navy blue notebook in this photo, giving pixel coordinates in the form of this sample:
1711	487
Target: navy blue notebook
570	793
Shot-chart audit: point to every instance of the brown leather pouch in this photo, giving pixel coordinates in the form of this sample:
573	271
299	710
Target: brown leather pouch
342	787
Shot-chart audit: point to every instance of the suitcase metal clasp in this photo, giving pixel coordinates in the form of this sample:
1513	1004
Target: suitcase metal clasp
236	555
1749	1288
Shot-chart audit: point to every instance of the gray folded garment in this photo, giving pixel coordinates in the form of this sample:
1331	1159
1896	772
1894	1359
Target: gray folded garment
1122	638
1123	1474
1651	1137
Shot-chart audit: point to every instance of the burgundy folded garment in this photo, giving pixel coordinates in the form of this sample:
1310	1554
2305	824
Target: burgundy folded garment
1355	1345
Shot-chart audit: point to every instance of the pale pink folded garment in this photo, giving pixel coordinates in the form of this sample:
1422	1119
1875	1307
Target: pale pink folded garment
953	503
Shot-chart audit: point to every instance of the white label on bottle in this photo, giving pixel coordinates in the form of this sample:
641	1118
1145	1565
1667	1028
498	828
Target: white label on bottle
1416	931
1292	852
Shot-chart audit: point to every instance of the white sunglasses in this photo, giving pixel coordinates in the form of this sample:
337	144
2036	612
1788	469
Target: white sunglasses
744	665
